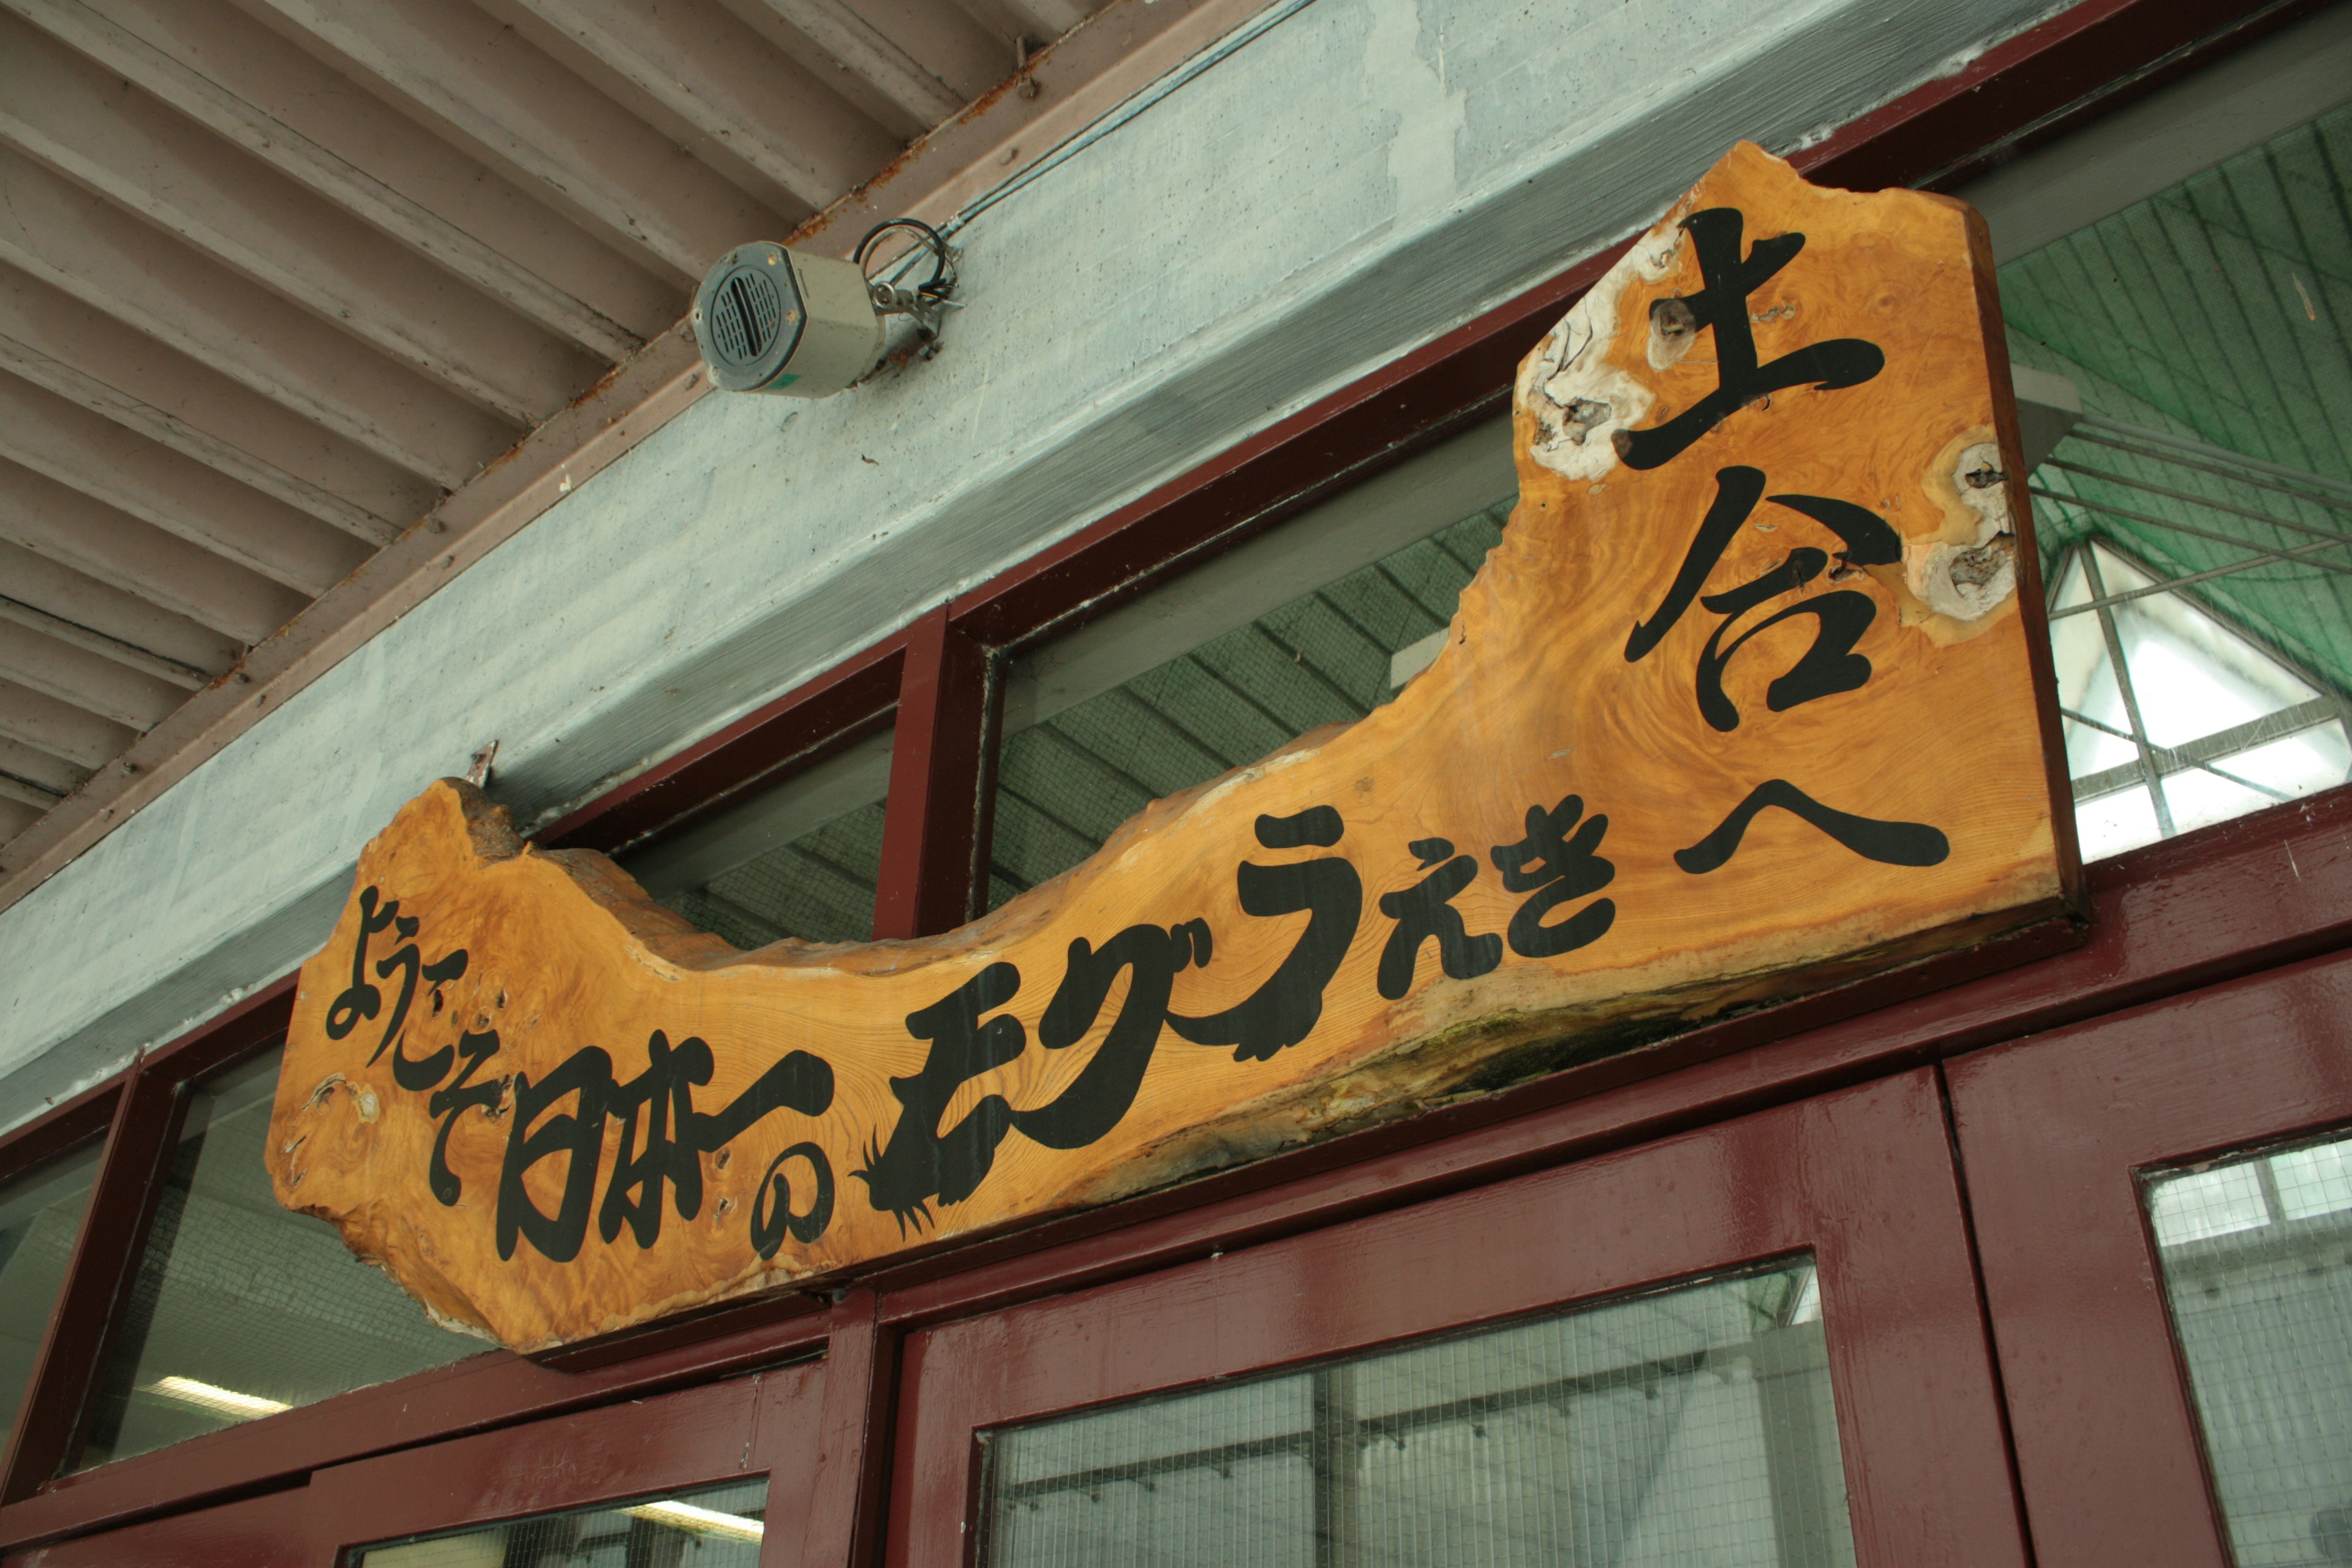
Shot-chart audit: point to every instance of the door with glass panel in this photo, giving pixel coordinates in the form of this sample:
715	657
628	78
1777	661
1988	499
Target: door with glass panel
719	1477
1755	1344
2164	1204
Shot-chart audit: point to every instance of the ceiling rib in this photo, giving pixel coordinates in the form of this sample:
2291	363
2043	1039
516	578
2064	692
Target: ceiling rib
89	640
15	817
798	139
169	431
79	353
124	145
252	88
37	770
109	463
68	527
473	79
140	276
69	733
967	60
1034	19
89	681
16	794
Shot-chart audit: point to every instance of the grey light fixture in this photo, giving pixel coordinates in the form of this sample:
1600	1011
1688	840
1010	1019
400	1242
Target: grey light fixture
774	320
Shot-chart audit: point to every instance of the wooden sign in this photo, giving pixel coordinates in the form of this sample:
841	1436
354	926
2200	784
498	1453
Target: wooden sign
1742	705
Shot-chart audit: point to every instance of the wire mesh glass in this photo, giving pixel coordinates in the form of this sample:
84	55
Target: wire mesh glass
1690	1424
40	1216
240	1308
2256	1257
1064	786
719	1527
2193	516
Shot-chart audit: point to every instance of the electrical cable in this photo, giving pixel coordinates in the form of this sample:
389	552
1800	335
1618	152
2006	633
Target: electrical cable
941	282
1132	108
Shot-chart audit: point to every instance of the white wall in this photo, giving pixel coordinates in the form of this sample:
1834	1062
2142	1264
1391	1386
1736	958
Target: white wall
1338	186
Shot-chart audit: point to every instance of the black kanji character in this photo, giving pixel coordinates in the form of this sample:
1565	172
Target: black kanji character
1830	666
797	1081
666	1153
577	1137
1425	910
1722	304
1555	868
675	1135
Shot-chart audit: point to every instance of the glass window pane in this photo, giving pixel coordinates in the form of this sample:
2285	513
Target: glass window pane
1684	1426
240	1308
40	1216
800	859
1325	622
717	1528
2115	822
2256	1254
2204	333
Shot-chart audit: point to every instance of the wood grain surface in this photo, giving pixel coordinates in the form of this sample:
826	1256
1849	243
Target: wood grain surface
1742	705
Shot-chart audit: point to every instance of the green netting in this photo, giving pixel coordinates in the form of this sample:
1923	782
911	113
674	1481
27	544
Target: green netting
2212	310
1064	786
819	888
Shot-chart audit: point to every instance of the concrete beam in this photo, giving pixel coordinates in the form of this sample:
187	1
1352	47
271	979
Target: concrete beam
777	130
252	88
95	128
94	684
179	495
89	249
86	356
499	98
39	514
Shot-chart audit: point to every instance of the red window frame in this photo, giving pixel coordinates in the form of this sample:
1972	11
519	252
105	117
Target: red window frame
267	1531
709	1436
1861	1178
2178	914
2052	1131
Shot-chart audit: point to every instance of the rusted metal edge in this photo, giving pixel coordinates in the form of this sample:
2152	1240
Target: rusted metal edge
1097	65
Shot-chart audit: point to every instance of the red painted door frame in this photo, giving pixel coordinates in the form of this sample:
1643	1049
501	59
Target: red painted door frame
1861	1178
271	1531
710	1435
2051	1132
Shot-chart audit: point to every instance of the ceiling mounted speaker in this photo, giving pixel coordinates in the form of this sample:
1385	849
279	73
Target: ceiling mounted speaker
773	320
